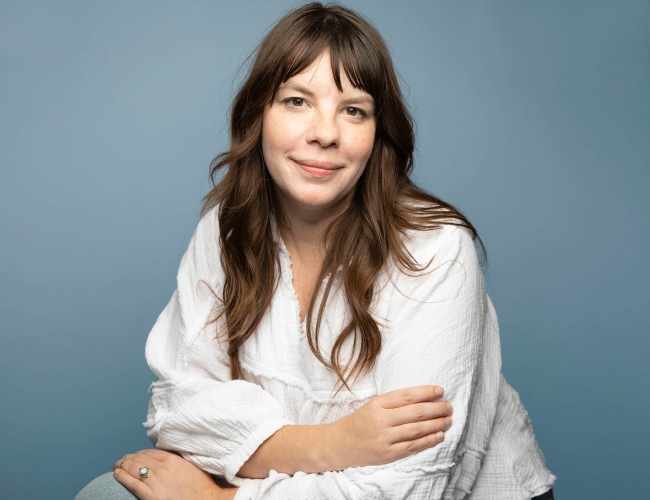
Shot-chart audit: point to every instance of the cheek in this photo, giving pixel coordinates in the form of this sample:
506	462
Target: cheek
269	137
278	135
363	144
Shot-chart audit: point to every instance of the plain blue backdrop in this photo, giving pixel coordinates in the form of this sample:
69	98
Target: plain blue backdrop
533	118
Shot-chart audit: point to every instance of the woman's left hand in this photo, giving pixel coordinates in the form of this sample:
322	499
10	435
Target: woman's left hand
170	477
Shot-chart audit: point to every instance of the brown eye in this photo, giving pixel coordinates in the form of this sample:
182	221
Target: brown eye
353	111
297	101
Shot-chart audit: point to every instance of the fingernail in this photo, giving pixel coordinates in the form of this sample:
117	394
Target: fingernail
440	436
450	409
448	422
439	391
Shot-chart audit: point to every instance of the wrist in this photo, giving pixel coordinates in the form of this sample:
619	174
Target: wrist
293	448
310	448
320	449
339	451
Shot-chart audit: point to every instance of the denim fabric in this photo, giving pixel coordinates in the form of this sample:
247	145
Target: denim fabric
105	487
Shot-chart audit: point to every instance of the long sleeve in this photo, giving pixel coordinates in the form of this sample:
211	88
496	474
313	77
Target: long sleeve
195	408
435	333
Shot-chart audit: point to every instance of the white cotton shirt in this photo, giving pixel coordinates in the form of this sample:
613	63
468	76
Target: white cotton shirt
438	327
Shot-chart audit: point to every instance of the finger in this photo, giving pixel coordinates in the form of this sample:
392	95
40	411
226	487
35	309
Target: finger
417	430
133	467
407	448
134	457
122	460
410	395
139	488
419	412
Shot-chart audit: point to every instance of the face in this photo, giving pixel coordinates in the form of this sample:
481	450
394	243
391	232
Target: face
316	140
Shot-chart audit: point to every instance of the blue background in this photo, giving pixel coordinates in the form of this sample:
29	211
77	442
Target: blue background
533	118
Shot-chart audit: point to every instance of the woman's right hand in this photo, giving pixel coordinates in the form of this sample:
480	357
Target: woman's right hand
391	426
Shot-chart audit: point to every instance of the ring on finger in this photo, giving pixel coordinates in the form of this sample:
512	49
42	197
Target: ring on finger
144	472
122	463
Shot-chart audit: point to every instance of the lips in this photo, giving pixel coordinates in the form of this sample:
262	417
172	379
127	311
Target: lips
318	168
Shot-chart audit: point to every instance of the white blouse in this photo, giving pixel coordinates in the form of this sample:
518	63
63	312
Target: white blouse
438	327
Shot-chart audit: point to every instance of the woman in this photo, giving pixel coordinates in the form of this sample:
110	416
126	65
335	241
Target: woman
323	304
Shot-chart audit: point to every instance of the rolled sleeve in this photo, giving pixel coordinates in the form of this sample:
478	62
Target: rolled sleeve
195	408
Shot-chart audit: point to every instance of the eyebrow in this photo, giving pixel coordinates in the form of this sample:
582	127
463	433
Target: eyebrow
304	90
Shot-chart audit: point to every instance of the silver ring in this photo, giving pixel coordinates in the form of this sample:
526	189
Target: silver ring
144	472
121	463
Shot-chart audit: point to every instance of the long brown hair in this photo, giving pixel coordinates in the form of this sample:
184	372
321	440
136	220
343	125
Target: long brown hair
381	210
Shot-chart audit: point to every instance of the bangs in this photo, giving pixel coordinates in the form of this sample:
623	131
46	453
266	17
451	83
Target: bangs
348	49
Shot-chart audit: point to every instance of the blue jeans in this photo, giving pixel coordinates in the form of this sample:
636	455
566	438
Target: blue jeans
105	487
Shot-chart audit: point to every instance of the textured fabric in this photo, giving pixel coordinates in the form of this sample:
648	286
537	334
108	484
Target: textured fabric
105	487
438	327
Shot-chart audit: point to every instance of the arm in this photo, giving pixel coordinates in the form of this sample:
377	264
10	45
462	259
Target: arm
437	326
386	428
219	424
195	408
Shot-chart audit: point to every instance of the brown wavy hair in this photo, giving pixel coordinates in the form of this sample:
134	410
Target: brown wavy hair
381	210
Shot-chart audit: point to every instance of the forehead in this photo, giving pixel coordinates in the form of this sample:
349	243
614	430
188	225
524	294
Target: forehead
319	76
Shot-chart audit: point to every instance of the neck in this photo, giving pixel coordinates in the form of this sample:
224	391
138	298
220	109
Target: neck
304	235
304	238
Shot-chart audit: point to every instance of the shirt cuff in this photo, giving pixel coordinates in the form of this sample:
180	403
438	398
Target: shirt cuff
248	447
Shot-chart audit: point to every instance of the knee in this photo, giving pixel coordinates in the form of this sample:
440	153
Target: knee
105	487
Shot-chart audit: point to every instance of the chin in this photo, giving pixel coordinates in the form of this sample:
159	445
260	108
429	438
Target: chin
313	204
318	202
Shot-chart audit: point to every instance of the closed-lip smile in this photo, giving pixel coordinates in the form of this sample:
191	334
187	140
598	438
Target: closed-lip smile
318	168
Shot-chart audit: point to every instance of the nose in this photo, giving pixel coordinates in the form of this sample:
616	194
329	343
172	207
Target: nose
324	130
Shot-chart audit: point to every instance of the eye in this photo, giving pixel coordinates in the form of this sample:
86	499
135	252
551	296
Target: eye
296	101
354	112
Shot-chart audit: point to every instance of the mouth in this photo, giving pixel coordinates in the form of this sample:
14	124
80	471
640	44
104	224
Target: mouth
317	168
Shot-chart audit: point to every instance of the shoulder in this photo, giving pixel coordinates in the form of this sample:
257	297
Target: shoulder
208	226
205	241
202	258
442	230
448	241
444	266
443	291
